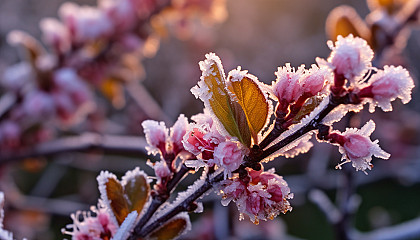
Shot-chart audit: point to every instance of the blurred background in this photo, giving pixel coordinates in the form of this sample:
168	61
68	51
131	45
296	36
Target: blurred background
259	35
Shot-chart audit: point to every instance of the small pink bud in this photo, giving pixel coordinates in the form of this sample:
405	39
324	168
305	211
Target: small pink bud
389	84
286	88
359	149
178	130
315	80
229	155
351	57
156	135
161	170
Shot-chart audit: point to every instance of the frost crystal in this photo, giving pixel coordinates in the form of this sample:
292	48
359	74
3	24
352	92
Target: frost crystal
359	149
126	227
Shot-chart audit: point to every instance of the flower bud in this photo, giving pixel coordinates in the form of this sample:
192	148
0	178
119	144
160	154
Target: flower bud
229	155
350	57
156	135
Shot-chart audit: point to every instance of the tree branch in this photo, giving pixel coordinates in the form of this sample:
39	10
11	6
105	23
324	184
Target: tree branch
83	143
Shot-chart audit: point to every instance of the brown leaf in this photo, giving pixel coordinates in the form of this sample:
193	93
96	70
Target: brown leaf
170	230
137	190
118	202
344	20
253	102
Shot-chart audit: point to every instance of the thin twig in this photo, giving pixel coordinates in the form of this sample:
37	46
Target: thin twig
82	143
157	200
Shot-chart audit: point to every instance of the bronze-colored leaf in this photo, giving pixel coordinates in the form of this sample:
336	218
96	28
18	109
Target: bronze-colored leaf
137	190
253	102
170	230
307	108
118	202
220	102
344	20
391	6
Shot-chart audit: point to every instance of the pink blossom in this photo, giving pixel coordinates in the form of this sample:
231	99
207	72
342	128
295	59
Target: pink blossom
16	76
93	227
350	57
286	88
200	139
178	130
359	149
55	34
156	135
161	170
229	154
315	79
389	84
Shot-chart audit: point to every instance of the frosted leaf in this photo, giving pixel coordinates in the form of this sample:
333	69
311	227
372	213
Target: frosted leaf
102	180
132	174
339	112
126	227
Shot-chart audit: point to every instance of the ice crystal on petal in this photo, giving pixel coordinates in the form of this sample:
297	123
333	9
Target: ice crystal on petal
126	227
351	57
359	149
263	197
86	225
156	135
161	170
389	84
102	180
315	79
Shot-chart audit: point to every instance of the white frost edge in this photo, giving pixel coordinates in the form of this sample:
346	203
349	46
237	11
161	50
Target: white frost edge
102	180
126	227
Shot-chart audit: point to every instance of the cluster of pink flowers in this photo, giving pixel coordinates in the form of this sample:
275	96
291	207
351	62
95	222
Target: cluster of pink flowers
308	101
261	195
294	87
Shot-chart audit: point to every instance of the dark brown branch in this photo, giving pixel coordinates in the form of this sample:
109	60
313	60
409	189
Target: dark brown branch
83	143
158	200
182	207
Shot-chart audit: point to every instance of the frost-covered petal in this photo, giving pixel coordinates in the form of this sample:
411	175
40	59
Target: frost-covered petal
359	149
156	135
389	84
351	57
229	155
